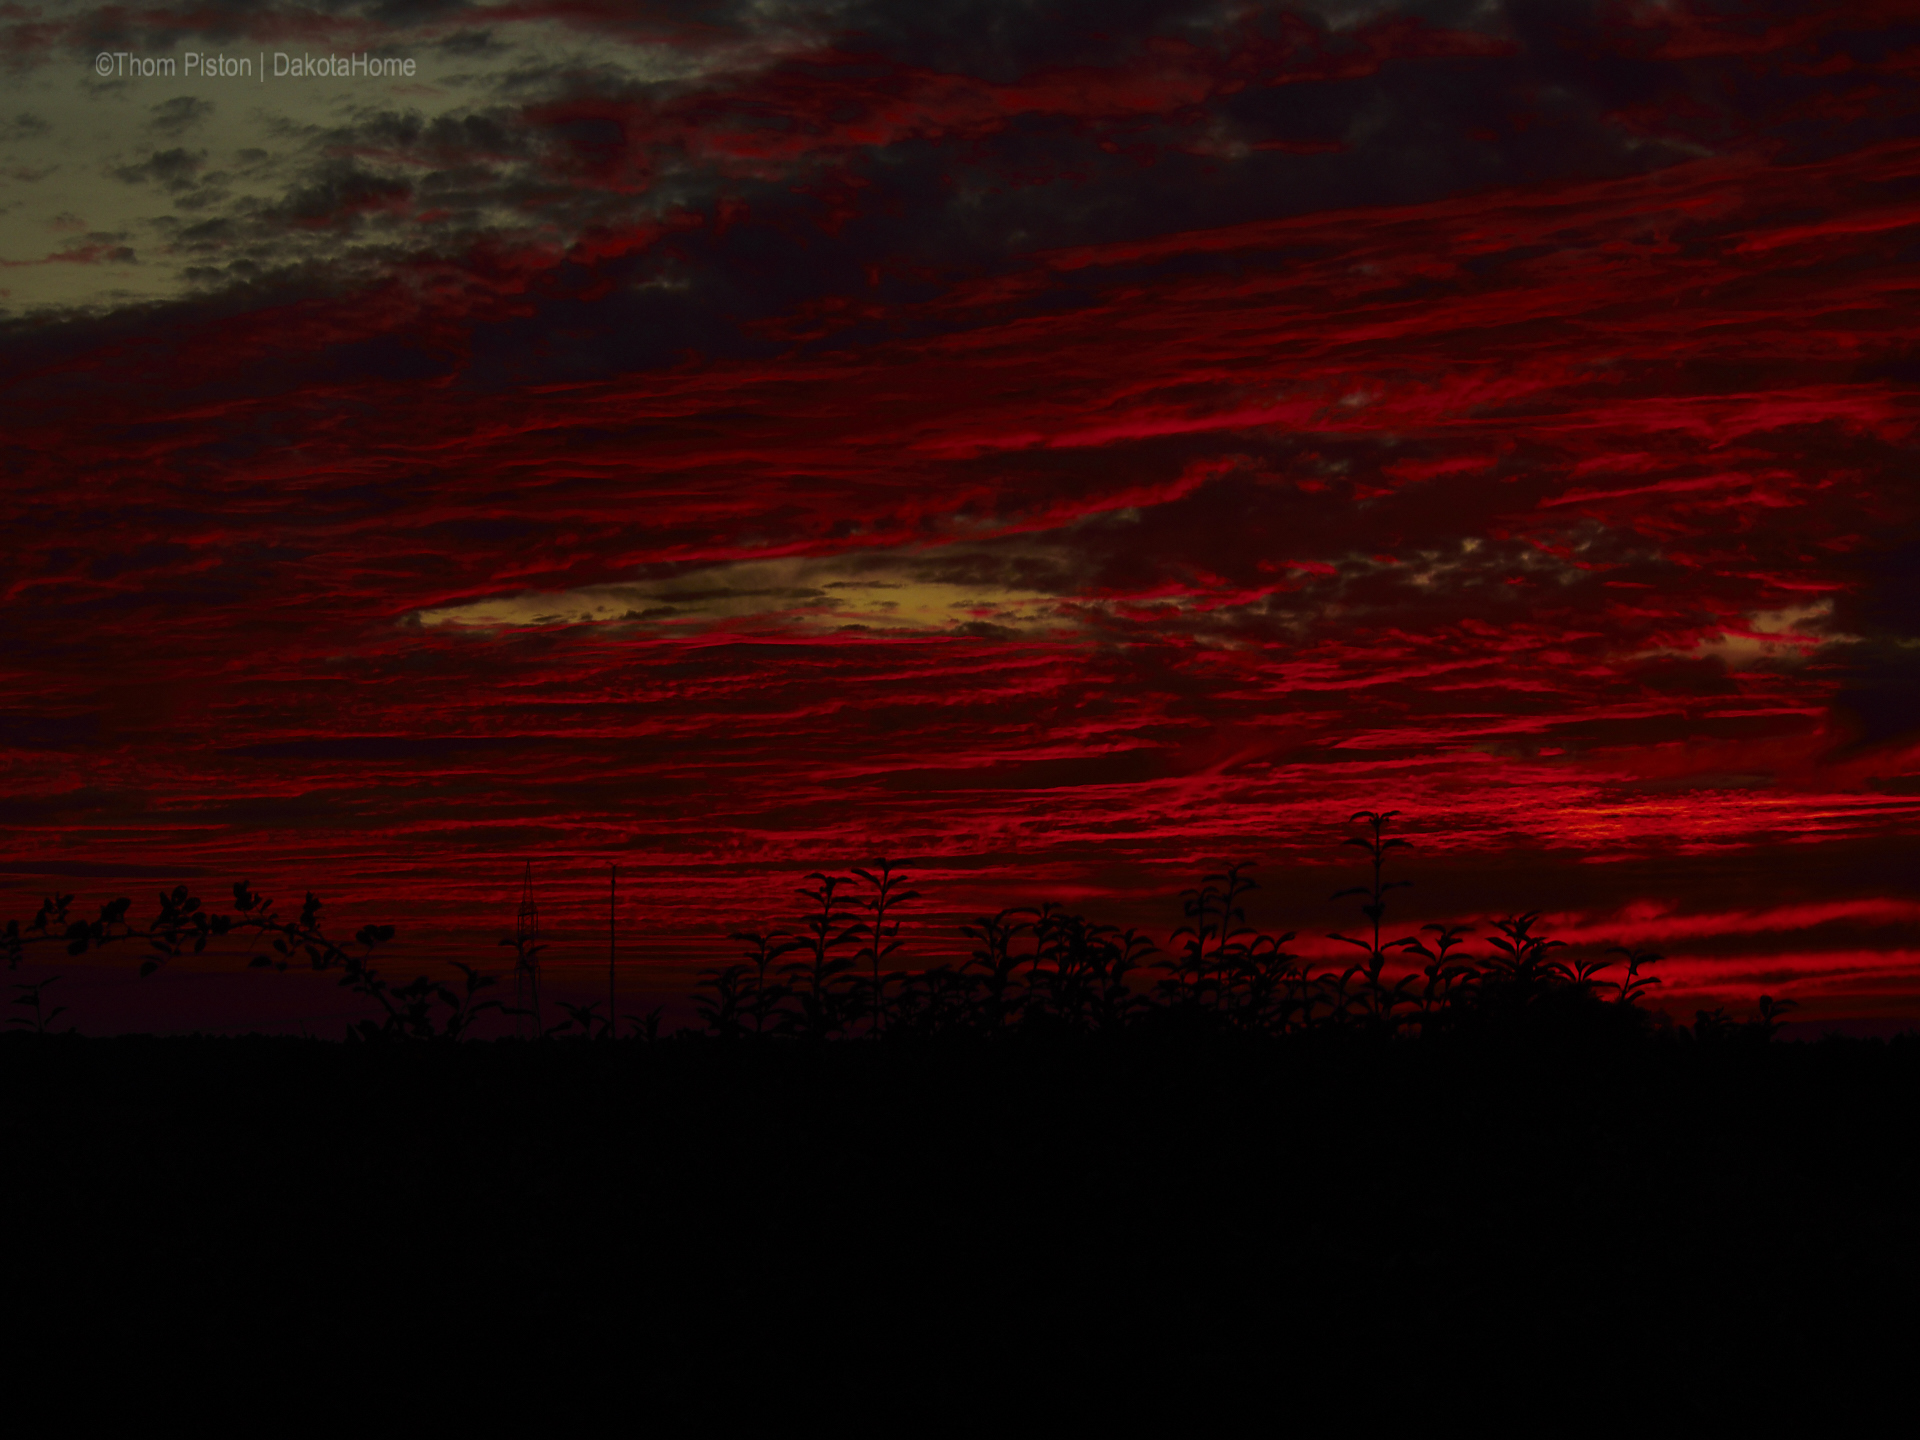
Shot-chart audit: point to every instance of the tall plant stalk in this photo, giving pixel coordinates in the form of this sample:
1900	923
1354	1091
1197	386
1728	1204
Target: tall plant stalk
882	938
1374	908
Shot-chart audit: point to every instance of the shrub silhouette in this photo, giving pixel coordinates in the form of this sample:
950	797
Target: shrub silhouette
995	964
1448	980
30	996
765	947
1084	968
1629	990
822	999
1520	973
1078	975
183	924
1075	975
1767	1022
724	1012
1713	1027
882	938
1376	1002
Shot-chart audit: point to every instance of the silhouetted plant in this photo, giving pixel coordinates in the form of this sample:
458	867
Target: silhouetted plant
882	938
51	926
821	999
1204	907
411	1008
1213	914
1376	1000
940	1001
1084	973
1079	974
1522	958
646	1028
184	925
1257	975
1255	983
996	963
1713	1026
1111	1001
724	1012
467	1005
1629	990
31	997
1582	973
1046	916
1446	979
583	1022
766	947
1767	1023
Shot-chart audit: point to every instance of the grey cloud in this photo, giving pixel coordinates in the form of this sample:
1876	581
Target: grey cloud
174	169
448	139
470	42
180	113
562	144
209	233
338	193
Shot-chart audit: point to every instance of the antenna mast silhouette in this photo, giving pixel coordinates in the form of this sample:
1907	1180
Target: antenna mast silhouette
526	972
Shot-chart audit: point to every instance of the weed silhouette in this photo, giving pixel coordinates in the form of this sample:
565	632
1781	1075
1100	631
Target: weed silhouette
1629	990
1767	1022
724	1012
646	1028
1713	1027
765	947
31	997
184	925
882	938
1080	976
1375	1001
995	963
826	976
1447	979
1085	972
822	998
583	1022
1212	909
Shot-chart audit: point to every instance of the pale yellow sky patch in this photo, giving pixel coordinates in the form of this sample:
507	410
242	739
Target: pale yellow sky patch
888	592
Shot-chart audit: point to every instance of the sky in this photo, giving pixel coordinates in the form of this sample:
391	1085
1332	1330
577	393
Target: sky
1064	448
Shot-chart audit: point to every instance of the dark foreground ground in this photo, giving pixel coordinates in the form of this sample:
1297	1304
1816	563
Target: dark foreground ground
1674	1229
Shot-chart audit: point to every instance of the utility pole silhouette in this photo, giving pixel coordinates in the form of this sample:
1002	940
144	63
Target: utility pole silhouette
526	932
